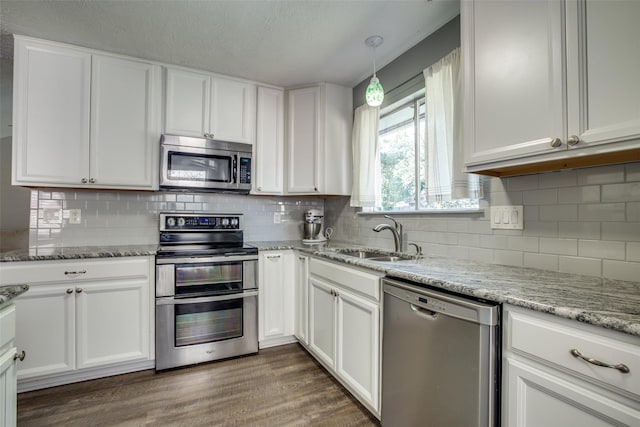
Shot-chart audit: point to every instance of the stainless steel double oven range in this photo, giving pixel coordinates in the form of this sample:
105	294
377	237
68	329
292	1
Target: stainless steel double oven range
206	290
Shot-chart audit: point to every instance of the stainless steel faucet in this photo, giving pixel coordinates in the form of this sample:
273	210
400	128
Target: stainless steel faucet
396	229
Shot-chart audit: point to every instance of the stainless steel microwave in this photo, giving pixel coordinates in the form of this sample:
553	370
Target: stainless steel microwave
188	163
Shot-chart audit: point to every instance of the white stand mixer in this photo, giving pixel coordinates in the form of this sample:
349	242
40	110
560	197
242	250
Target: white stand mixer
313	226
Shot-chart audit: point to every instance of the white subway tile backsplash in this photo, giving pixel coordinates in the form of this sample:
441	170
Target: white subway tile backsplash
628	192
481	255
540	229
579	230
601	175
503	199
624	231
524	244
559	213
633	211
621	270
601	249
514	258
558	179
559	246
633	251
540	197
526	182
632	171
602	212
531	213
578	265
541	261
585	194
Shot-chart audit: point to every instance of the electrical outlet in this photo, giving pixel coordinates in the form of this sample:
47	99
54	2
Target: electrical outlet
507	217
276	218
75	216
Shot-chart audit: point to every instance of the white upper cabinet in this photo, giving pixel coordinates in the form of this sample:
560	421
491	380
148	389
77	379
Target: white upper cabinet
124	122
516	90
543	78
602	80
51	105
269	149
204	105
84	120
319	126
187	103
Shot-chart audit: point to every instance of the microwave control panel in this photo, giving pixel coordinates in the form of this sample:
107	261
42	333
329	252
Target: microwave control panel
245	170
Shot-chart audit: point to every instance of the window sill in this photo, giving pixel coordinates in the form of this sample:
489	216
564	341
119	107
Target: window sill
425	212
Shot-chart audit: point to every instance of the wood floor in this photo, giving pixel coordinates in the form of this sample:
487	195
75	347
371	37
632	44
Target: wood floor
281	386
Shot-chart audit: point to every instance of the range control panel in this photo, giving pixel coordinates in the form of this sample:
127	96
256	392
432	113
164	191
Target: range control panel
186	222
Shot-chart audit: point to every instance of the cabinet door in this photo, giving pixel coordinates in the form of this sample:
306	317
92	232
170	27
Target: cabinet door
187	103
112	322
539	398
358	361
233	110
513	78
8	388
124	123
602	80
272	296
302	298
269	158
51	114
45	330
322	323
303	118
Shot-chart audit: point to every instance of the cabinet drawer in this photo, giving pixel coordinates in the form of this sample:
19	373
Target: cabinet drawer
348	277
7	325
552	340
31	272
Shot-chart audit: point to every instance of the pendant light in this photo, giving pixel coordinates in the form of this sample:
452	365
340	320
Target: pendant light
374	93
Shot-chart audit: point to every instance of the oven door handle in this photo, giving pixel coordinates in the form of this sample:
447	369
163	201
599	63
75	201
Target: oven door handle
177	301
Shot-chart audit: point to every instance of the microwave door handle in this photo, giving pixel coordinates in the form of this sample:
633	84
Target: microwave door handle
235	168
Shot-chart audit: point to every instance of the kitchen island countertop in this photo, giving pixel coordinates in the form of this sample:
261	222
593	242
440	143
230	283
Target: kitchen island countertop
612	304
8	293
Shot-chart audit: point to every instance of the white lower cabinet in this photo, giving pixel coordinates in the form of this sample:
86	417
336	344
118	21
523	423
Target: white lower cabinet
82	319
545	385
301	292
8	360
344	327
275	298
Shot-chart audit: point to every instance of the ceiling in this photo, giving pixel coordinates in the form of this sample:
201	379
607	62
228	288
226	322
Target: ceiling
282	42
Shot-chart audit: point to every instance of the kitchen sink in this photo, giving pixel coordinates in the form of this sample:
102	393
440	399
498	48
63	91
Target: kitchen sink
378	256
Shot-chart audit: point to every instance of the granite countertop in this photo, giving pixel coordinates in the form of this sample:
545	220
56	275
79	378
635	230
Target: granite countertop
612	304
76	252
7	293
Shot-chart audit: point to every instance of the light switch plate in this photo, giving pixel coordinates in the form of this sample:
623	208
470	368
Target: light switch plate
507	217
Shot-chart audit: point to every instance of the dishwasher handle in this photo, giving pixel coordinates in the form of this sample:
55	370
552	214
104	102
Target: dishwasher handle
423	312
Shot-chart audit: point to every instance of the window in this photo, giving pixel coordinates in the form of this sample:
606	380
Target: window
403	160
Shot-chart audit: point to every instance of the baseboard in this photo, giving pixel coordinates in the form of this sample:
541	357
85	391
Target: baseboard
53	380
273	342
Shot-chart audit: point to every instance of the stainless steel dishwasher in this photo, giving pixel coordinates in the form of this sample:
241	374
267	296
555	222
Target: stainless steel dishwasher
439	358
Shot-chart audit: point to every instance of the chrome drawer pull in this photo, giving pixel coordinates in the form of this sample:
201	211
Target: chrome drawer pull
75	272
620	367
19	356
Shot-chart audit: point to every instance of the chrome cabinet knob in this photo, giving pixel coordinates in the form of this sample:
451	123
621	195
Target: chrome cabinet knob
556	142
92	180
79	290
573	140
83	180
20	356
69	291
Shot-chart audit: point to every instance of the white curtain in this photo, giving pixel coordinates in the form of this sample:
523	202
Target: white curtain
446	179
365	192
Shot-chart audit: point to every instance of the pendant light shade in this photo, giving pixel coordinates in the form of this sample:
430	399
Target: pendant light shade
374	94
